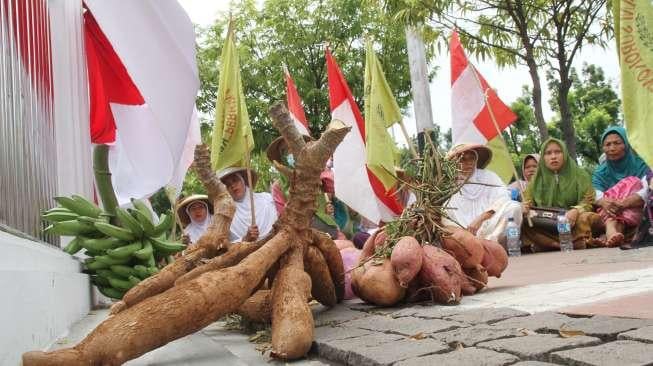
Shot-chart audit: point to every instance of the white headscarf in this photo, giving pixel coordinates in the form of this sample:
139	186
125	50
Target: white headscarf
196	229
266	214
474	199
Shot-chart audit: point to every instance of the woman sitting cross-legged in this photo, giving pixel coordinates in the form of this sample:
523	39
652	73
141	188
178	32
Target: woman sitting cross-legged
621	187
560	183
482	205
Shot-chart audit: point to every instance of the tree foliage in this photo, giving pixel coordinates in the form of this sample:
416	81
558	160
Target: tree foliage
295	33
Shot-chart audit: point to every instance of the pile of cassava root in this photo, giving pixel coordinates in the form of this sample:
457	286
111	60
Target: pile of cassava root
424	255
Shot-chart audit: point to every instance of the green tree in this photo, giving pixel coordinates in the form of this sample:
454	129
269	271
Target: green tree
593	105
522	137
295	33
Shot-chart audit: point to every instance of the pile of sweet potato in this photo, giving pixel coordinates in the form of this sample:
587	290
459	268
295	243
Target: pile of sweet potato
416	272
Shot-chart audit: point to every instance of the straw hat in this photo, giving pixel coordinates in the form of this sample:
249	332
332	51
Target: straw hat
181	207
483	152
278	148
242	171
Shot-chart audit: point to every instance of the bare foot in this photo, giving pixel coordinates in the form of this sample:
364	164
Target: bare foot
615	240
599	242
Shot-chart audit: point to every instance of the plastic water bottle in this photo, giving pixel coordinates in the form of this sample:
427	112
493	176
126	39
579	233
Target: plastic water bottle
564	233
512	238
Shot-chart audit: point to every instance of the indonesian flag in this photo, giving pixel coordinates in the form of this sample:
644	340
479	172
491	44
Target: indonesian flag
471	116
142	88
295	105
355	184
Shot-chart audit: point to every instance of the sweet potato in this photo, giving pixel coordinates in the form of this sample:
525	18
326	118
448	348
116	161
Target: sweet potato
495	258
380	238
441	275
377	284
464	246
349	260
342	244
368	247
406	259
477	277
416	292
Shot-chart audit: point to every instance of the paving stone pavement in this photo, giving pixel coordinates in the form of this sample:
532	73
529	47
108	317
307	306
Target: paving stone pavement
442	335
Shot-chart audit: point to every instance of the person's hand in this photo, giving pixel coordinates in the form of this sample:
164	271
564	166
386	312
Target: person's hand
252	233
572	216
330	210
476	224
185	239
610	206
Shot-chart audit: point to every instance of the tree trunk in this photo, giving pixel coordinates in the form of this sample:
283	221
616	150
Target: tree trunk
568	131
537	99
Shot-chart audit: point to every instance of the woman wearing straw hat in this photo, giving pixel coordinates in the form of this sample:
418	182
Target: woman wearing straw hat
483	203
194	213
265	215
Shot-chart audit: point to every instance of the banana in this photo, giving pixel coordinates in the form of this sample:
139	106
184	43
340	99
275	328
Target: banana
59	216
95	265
145	221
86	207
57	209
150	261
74	246
142	207
134	280
123	271
165	223
98	245
145	252
100	281
111	292
152	270
88	219
106	273
129	222
110	261
70	228
125	251
119	284
166	247
115	231
141	271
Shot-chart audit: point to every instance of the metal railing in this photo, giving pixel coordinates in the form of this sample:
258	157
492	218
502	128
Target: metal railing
27	136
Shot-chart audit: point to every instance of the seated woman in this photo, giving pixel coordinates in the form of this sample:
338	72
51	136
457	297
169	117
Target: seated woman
621	186
483	204
560	183
194	213
528	169
242	228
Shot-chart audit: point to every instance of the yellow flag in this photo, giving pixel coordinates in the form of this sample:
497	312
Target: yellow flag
634	35
381	112
501	162
232	133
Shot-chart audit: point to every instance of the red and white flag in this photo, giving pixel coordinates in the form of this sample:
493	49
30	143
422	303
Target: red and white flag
471	120
142	87
295	105
471	116
355	184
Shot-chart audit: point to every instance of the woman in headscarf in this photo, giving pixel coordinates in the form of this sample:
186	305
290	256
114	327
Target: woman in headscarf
242	228
194	213
621	186
560	183
482	205
528	169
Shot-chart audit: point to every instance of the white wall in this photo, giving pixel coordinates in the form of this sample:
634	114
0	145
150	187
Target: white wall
43	293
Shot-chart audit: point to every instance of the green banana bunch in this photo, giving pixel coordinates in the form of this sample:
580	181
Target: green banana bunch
121	253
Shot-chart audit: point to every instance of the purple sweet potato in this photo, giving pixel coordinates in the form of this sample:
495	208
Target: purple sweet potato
349	260
495	258
464	246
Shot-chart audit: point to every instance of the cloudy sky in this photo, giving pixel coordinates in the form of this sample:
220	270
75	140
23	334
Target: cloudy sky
508	82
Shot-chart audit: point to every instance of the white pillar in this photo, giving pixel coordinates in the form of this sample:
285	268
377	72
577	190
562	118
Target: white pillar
419	81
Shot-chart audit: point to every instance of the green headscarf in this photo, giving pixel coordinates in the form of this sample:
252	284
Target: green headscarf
567	190
610	173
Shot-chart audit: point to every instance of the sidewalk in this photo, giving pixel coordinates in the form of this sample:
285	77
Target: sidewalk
549	308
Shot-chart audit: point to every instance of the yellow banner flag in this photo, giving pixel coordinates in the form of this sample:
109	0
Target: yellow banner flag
381	112
501	162
634	34
232	134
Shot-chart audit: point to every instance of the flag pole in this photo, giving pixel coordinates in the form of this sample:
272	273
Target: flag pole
498	129
249	183
408	141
